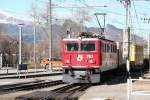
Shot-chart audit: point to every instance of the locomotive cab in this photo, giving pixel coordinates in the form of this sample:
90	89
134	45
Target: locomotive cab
81	60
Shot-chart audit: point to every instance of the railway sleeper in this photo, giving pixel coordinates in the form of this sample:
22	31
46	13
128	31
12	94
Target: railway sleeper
69	92
72	93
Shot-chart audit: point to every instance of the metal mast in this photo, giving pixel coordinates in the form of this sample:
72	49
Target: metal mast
34	33
50	31
126	35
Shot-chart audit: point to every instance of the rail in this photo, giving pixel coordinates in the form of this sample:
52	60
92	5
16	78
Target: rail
29	86
70	91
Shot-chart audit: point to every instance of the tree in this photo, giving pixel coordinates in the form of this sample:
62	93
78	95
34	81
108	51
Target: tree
58	30
8	49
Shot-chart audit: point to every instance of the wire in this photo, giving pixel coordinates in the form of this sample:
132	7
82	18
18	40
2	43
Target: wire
136	15
134	39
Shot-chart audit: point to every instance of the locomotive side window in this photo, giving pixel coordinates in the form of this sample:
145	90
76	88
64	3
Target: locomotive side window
87	46
71	47
107	48
111	48
103	47
114	49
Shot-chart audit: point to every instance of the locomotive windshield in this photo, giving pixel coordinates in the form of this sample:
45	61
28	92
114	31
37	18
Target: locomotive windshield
87	46
71	47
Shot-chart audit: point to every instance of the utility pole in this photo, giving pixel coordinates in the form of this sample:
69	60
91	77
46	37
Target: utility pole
1	60
128	5
126	44
149	50
34	33
126	35
1	56
50	32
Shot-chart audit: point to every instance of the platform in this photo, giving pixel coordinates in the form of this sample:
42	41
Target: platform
13	73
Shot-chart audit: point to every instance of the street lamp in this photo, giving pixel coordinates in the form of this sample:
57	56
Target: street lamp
20	41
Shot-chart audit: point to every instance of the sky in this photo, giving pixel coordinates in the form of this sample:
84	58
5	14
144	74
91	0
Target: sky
115	11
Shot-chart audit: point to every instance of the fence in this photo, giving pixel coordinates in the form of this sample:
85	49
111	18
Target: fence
16	68
131	92
8	67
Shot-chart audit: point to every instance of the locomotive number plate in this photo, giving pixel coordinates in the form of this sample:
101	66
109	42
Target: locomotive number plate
89	56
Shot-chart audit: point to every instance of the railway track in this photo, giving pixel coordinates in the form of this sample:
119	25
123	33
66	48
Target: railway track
68	92
28	86
74	91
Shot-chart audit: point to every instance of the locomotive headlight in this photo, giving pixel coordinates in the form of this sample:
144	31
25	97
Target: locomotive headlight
67	61
92	61
79	57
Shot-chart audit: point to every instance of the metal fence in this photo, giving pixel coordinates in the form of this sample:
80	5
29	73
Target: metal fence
7	67
131	92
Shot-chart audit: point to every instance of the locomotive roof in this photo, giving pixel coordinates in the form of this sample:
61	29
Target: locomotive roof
76	39
88	39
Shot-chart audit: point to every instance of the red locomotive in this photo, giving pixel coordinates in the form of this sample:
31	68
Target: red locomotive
84	58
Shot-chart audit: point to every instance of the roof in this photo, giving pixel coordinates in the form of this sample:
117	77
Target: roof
76	39
85	39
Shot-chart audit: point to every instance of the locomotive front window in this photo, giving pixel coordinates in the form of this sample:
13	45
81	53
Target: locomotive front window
71	47
88	46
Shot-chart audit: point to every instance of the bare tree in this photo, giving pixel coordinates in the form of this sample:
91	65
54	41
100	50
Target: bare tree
8	49
58	31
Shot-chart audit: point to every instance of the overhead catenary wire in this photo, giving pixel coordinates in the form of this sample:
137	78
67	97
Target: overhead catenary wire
70	8
137	18
131	28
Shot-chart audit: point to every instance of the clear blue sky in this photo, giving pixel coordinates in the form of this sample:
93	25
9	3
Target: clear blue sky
16	5
115	11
